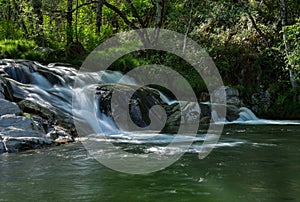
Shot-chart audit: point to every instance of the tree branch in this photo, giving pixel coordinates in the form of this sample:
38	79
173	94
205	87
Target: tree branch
258	30
188	27
135	13
116	10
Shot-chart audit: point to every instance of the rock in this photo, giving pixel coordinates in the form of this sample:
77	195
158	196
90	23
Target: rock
205	120
189	110
232	113
205	109
261	101
18	126
8	107
140	102
1	91
232	95
64	140
17	144
47	112
2	147
59	135
204	97
19	133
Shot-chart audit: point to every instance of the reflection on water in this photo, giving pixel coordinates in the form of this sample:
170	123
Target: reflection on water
250	163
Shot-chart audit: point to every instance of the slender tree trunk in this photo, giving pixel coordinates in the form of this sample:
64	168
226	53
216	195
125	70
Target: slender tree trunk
99	16
76	23
160	4
258	30
69	23
37	9
20	20
288	50
188	27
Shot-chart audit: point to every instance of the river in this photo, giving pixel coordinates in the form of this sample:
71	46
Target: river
251	162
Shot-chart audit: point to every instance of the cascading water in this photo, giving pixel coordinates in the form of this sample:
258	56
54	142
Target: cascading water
52	89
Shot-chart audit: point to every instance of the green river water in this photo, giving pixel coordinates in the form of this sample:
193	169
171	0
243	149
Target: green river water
250	163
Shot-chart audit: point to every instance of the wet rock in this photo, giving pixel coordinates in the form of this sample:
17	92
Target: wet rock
205	120
205	109
204	97
1	91
140	102
8	107
47	112
18	126
64	140
189	111
17	144
2	147
231	97
232	113
174	116
59	135
19	133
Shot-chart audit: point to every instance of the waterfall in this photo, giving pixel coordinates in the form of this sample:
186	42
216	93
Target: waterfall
246	115
50	89
216	119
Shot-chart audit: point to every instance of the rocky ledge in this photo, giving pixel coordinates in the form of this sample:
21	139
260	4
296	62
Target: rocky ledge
19	133
37	105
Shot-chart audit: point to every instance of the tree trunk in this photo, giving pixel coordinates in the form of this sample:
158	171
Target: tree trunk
20	20
188	28
258	30
69	23
99	16
37	9
158	18
287	46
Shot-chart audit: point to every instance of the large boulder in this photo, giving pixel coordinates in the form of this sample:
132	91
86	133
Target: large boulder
19	133
140	101
183	112
18	126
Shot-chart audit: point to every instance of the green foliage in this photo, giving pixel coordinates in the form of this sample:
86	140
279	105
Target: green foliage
16	48
293	36
8	30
